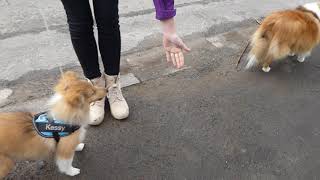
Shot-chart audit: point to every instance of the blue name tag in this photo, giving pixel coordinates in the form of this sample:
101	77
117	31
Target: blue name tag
48	127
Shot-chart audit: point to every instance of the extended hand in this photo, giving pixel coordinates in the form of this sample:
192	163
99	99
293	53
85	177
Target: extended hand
173	44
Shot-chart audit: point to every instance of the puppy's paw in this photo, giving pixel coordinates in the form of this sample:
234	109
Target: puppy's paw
73	171
291	54
301	59
266	69
80	147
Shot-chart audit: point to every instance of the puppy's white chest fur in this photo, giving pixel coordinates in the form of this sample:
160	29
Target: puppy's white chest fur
83	132
54	99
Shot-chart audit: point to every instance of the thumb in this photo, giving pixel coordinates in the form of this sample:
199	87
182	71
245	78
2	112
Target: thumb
185	47
178	41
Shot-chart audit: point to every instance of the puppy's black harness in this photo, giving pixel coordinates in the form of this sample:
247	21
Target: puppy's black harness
49	127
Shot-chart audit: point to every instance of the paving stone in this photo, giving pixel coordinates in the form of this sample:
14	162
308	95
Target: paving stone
128	80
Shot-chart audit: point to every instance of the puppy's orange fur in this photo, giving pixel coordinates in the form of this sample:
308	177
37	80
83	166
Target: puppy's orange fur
284	33
19	141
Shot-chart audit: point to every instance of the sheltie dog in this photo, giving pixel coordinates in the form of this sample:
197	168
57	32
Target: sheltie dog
21	140
285	33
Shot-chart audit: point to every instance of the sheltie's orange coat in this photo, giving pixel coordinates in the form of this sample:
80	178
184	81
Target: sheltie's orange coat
19	140
289	32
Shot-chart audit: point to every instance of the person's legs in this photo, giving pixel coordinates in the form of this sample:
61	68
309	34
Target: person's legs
81	30
107	18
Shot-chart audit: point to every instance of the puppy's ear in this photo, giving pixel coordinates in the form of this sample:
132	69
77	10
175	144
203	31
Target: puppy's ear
69	75
75	100
65	80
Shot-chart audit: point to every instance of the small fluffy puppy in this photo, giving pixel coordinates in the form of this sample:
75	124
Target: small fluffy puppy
20	139
284	33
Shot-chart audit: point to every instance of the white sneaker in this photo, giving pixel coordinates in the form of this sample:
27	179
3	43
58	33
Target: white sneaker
118	105
97	108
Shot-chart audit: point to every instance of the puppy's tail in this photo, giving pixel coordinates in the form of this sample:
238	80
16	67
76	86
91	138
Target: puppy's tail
259	48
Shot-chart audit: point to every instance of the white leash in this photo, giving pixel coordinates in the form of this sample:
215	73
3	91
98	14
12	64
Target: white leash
92	11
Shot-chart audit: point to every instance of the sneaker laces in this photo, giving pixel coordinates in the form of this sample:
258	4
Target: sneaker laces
114	93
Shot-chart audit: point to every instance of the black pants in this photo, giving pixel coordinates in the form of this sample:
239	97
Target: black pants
80	22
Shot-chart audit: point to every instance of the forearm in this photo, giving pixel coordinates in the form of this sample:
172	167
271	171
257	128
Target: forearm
164	9
168	26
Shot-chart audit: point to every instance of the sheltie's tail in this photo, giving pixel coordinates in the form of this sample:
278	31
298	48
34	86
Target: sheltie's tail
259	48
